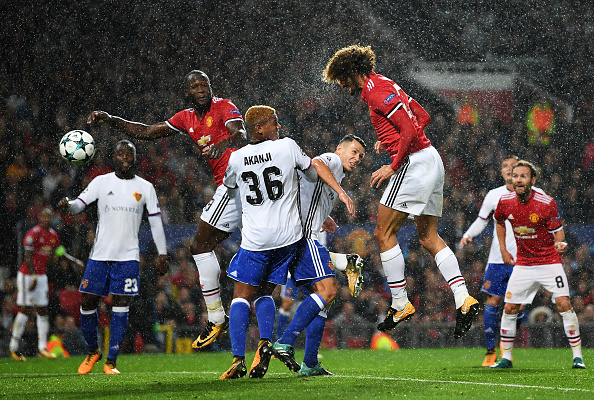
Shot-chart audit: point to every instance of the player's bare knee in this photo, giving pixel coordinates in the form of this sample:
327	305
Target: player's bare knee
512	308
286	304
494	301
563	304
382	238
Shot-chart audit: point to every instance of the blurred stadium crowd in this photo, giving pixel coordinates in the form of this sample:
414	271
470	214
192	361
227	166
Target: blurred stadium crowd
130	59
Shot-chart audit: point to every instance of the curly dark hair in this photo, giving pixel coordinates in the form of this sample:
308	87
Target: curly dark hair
348	61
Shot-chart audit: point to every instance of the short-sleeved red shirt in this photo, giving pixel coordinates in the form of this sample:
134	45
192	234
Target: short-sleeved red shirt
42	242
209	130
534	224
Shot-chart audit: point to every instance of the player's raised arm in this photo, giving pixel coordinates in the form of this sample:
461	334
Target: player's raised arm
133	129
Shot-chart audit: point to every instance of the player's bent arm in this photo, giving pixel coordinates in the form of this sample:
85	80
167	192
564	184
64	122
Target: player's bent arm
473	230
560	244
423	117
158	233
404	125
324	173
73	206
238	138
29	262
76	206
310	174
508	259
238	133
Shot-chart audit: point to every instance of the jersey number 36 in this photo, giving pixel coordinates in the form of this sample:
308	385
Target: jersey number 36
274	187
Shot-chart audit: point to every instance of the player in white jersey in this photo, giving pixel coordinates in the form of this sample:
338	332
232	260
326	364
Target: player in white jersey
265	175
113	265
317	201
315	266
497	272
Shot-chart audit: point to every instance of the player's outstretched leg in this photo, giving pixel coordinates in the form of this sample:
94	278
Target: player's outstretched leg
353	273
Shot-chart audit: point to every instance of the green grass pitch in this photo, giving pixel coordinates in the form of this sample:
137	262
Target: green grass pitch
359	374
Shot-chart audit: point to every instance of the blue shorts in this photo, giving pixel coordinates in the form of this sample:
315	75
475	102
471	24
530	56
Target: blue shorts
254	267
312	264
496	278
117	277
292	292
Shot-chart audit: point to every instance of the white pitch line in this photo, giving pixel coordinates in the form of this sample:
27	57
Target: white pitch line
469	383
386	378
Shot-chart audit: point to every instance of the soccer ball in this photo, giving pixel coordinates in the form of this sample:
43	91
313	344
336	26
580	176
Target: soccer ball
77	147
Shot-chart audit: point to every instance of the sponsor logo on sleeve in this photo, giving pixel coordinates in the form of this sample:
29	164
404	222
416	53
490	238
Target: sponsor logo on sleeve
389	98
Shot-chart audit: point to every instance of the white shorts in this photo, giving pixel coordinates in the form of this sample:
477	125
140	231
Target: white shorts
36	297
224	210
417	187
525	281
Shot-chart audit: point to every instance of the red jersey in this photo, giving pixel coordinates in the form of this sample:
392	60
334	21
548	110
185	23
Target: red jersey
209	130
534	224
42	242
384	97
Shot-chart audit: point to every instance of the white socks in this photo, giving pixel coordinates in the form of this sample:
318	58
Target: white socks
42	331
339	260
572	331
393	264
18	327
209	270
508	334
448	266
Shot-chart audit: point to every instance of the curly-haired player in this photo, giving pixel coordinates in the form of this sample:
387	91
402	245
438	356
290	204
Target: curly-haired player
415	181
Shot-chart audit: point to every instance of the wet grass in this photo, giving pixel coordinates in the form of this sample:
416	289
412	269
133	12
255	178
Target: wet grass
359	374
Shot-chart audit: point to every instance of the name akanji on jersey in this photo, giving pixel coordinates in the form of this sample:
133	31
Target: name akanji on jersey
208	130
534	224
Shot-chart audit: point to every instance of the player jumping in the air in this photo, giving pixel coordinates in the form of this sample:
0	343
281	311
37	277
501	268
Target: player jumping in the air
217	128
415	182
